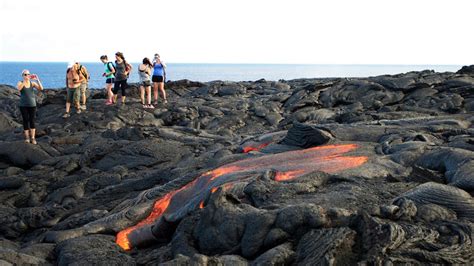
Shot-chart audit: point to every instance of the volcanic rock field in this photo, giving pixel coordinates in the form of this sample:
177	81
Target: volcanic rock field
336	171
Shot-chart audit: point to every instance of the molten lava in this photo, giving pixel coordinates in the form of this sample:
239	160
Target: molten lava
288	165
251	148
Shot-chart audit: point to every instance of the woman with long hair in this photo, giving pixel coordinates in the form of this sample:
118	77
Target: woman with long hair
28	104
122	71
144	71
159	76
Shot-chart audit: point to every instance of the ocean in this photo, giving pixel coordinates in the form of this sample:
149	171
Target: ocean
52	75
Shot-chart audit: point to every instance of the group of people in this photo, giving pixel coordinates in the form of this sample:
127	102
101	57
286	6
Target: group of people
77	78
149	73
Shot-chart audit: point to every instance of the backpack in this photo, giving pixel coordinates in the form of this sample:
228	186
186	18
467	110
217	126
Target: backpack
110	67
83	71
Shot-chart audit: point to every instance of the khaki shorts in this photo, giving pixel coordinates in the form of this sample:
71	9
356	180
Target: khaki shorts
83	87
73	95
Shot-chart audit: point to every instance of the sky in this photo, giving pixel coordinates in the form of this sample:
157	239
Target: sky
245	31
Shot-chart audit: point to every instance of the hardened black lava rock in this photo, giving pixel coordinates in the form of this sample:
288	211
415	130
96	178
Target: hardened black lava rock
392	159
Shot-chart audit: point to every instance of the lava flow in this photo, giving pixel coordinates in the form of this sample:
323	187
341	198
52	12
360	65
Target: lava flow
288	165
248	149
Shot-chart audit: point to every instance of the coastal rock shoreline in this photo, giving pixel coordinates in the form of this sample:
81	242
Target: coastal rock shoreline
370	170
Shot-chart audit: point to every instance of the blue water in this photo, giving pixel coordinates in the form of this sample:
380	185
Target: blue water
53	74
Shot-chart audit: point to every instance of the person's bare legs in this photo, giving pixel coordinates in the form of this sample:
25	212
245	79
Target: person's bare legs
142	94
84	98
68	107
148	95
27	135
110	94
33	135
155	92
162	89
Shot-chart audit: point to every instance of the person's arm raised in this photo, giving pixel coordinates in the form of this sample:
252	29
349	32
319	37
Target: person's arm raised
38	85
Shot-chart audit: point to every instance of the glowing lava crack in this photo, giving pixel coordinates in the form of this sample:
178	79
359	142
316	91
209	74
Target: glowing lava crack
288	165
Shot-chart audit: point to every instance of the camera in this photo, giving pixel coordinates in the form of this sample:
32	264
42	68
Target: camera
33	76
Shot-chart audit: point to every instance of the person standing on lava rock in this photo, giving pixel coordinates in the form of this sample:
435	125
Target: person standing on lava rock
122	72
73	83
28	104
109	72
84	76
144	71
158	78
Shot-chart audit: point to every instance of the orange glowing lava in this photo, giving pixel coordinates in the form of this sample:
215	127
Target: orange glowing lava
259	147
284	176
158	209
223	170
288	165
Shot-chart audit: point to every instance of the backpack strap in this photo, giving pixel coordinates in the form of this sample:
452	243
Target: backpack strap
82	71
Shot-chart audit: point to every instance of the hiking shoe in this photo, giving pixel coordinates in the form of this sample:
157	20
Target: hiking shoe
66	115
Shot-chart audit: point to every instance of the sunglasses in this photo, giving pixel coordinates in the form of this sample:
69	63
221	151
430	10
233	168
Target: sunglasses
26	74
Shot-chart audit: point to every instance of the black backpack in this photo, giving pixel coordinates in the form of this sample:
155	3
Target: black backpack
110	67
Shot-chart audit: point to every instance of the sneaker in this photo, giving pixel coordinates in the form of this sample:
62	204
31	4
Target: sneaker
166	101
66	115
27	140
151	106
155	103
108	103
83	107
33	141
79	111
144	106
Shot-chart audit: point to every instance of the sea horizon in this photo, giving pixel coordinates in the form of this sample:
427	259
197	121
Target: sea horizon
233	63
53	73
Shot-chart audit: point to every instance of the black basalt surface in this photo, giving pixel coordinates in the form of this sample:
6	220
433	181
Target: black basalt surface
97	173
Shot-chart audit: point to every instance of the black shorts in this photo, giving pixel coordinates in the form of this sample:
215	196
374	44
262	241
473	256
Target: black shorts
110	81
157	78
